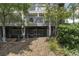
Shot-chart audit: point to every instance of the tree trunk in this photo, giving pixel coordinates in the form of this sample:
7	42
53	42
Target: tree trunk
4	34
23	31
73	17
49	29
56	29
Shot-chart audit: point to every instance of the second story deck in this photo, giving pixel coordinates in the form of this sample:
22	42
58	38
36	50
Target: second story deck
37	8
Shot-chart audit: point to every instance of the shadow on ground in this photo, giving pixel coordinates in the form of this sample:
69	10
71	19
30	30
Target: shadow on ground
15	47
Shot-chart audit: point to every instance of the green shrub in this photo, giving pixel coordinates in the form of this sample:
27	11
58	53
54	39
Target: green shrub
53	44
72	52
69	36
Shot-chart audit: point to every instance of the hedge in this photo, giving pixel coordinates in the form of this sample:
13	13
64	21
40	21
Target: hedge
68	36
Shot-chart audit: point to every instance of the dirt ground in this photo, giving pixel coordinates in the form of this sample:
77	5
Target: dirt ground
30	47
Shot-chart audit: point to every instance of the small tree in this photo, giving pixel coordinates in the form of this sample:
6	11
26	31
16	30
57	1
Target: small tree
48	17
55	13
23	10
5	11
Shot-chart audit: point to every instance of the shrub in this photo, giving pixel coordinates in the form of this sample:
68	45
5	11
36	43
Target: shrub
53	44
69	36
72	52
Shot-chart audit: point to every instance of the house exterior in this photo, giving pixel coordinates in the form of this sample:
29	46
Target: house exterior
35	24
36	15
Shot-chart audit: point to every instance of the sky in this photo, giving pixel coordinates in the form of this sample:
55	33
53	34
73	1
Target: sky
66	4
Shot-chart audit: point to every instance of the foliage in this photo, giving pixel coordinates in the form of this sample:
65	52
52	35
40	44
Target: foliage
73	7
5	10
7	14
22	7
54	44
56	13
69	36
72	52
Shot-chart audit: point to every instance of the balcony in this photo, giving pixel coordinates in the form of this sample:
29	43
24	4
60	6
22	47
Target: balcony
37	24
37	10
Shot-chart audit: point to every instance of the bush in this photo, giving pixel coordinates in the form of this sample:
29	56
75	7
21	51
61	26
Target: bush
69	36
53	44
72	52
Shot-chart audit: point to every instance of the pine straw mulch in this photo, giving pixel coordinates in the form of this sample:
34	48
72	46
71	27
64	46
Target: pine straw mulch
29	47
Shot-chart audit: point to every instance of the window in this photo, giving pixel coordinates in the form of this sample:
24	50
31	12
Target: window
31	19
39	20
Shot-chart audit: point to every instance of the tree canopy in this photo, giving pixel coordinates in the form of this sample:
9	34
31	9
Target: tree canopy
55	12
